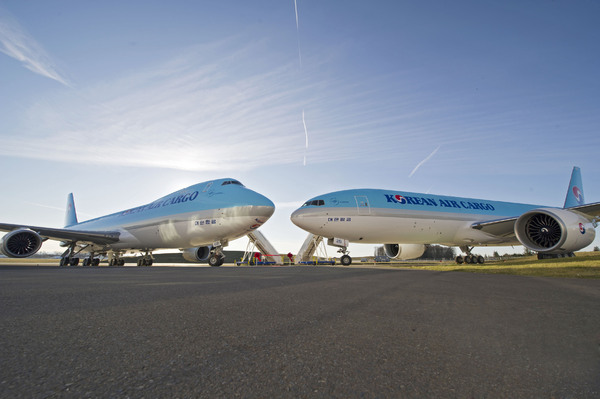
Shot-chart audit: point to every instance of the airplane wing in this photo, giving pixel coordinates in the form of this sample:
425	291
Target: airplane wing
505	227
94	237
589	209
500	227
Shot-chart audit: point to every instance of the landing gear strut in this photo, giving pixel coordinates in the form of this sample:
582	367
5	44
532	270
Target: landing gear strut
469	258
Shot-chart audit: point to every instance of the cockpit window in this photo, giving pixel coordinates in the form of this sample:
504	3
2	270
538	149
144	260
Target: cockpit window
314	203
226	182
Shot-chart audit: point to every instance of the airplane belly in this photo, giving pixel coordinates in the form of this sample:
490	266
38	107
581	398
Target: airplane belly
378	230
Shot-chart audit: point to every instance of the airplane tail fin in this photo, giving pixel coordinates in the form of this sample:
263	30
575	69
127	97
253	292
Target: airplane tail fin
575	192
71	214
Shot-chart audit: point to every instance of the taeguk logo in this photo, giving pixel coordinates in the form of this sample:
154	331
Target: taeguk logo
581	228
400	199
578	194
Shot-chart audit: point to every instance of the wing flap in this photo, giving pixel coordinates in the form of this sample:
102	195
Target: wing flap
589	209
93	237
499	228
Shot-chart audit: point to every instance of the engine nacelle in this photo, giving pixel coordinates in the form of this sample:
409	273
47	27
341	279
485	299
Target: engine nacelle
21	243
550	230
404	251
196	254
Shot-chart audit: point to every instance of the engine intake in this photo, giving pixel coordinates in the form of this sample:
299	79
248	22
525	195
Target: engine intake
404	251
550	230
21	243
196	254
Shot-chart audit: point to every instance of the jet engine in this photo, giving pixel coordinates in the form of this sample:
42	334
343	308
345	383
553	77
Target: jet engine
404	251
196	254
554	231
20	243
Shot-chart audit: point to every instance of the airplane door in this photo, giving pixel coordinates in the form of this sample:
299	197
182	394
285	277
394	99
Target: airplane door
362	203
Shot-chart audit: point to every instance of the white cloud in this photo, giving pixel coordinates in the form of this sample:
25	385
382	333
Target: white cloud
18	44
219	107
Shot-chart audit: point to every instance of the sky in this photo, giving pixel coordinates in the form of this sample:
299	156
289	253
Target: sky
124	102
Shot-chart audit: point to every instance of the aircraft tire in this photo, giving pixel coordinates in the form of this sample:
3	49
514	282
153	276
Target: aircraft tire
215	261
459	260
346	260
480	260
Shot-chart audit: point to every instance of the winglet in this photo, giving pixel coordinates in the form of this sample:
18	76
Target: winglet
71	214
575	193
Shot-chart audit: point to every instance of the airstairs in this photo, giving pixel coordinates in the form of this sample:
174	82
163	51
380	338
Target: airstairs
260	242
313	251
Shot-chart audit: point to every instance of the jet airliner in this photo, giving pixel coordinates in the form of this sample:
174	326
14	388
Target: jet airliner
406	222
200	220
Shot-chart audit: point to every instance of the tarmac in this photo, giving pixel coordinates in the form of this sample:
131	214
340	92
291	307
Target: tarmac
295	332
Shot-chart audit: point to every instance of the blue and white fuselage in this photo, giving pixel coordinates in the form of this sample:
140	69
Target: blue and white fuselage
380	216
200	220
405	222
195	216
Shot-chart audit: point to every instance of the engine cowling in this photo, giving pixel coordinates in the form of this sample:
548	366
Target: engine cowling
404	251
555	231
21	243
196	254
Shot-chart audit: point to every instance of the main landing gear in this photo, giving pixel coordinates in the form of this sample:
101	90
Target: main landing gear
68	257
469	258
91	261
116	260
146	260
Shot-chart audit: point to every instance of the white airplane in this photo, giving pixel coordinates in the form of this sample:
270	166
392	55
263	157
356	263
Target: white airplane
200	220
406	222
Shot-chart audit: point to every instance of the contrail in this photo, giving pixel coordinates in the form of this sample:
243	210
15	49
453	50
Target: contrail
56	208
15	42
306	135
296	8
423	161
298	33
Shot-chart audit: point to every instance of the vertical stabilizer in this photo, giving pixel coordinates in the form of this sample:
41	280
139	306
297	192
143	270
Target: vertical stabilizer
575	193
71	215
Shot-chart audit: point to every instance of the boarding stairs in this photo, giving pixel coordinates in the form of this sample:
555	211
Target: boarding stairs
310	246
258	240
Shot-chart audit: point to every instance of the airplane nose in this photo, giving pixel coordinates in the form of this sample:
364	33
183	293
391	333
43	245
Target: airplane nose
263	205
296	218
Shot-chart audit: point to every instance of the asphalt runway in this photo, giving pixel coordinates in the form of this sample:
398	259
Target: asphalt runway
295	332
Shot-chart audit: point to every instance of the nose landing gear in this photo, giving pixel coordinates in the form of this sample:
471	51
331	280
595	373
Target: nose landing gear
217	257
345	259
